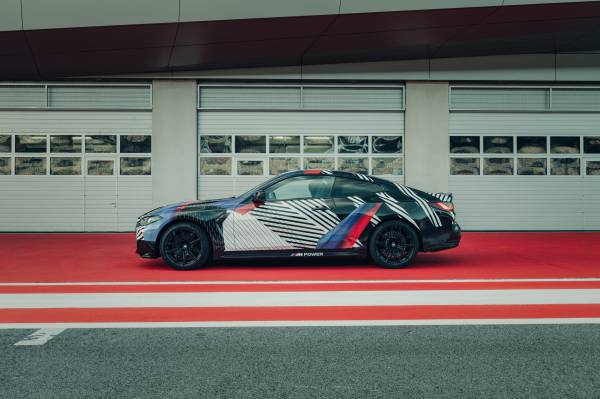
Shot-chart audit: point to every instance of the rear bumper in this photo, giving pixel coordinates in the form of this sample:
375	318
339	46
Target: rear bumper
452	242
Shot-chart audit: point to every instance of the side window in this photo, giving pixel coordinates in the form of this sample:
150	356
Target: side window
299	187
344	187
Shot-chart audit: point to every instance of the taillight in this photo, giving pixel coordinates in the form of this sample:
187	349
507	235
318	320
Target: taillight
444	206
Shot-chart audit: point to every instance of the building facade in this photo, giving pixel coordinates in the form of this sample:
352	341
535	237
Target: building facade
511	128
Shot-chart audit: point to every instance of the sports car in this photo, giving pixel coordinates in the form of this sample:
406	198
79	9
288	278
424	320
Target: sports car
305	213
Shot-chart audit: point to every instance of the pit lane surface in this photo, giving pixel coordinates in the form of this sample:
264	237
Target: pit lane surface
95	280
543	361
504	315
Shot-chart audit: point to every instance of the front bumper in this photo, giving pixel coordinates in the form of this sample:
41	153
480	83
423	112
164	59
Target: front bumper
146	249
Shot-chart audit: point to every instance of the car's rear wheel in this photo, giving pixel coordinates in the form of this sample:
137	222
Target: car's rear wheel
185	246
393	244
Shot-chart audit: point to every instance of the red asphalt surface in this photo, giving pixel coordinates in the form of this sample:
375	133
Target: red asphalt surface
93	259
54	258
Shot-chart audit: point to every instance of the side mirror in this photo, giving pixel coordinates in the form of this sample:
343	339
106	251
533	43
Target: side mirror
259	197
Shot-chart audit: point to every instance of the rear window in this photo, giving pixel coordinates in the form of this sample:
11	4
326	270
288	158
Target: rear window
344	187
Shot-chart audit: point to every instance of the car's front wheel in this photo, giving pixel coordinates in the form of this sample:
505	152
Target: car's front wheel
393	244
185	246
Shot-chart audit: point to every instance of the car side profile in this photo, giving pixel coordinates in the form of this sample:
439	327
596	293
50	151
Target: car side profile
305	213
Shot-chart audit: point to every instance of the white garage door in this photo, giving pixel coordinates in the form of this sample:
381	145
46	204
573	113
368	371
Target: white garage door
249	133
74	157
525	158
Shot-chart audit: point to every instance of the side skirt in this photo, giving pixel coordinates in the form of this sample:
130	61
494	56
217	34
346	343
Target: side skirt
294	254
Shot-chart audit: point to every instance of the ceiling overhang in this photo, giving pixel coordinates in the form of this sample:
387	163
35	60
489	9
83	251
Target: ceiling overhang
48	54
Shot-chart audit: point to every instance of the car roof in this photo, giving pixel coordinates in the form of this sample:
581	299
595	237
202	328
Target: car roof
339	173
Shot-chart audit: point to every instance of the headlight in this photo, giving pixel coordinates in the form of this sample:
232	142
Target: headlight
149	220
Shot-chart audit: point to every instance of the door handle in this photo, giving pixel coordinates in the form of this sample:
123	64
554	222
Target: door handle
320	208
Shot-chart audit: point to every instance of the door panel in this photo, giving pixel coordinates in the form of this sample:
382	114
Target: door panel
101	203
284	225
296	213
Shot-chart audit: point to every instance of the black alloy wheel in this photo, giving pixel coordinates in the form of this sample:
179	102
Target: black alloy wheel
185	246
394	244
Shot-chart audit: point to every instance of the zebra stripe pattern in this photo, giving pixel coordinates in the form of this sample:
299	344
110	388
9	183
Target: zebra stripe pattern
442	196
363	177
357	201
139	233
395	206
431	215
296	221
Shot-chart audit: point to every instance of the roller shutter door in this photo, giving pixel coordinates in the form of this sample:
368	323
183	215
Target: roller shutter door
74	157
525	158
250	133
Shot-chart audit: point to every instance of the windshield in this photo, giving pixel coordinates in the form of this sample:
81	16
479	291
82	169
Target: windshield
259	187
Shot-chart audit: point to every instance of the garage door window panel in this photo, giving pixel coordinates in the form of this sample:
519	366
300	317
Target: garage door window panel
319	163
65	144
564	167
30	166
215	144
30	143
284	144
101	144
5	166
353	144
135	144
135	166
387	166
465	166
498	145
355	165
592	168
5	143
318	144
250	144
250	168
532	145
100	167
498	166
282	165
215	166
591	145
300	187
464	145
60	166
531	166
386	144
564	145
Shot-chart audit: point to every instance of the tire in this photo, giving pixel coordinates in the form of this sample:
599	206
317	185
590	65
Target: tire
393	245
185	246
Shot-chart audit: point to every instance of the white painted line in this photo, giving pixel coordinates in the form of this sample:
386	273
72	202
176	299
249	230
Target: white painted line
307	323
242	282
41	336
302	298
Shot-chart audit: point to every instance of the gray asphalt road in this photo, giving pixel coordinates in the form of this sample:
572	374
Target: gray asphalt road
326	362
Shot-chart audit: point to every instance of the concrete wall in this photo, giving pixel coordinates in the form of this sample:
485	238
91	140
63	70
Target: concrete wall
426	136
174	141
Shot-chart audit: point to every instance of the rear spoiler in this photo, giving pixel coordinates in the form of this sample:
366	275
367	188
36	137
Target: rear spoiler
444	197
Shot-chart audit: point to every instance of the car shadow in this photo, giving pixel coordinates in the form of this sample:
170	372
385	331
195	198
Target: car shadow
423	261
